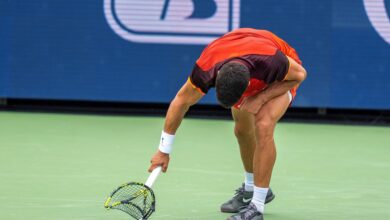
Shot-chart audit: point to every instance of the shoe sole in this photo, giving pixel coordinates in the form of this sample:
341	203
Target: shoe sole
233	211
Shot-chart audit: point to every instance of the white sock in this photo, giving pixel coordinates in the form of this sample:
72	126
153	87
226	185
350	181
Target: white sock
259	195
248	182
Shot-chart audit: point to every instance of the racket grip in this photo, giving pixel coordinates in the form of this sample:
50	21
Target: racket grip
153	176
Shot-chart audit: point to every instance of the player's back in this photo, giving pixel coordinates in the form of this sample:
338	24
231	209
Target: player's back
241	42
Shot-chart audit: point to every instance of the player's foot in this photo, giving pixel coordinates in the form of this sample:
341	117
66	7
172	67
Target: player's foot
241	200
249	213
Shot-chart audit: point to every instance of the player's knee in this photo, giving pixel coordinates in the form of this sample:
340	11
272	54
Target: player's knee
265	127
242	131
264	123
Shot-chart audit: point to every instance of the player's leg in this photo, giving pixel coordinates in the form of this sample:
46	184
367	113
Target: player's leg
264	155
265	151
244	131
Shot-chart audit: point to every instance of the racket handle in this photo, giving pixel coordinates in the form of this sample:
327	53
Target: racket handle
153	176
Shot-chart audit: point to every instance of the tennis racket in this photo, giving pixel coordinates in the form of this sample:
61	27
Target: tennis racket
136	199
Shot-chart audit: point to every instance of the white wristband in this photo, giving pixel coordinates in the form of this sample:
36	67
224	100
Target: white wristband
166	142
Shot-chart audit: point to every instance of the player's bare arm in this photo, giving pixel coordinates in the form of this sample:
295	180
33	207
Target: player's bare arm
184	99
295	76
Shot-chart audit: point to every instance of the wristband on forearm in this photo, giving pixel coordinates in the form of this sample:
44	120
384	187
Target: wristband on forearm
166	142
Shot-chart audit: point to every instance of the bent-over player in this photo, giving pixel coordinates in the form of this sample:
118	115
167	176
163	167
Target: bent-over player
256	74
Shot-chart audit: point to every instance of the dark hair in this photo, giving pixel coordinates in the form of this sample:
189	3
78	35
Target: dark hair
231	83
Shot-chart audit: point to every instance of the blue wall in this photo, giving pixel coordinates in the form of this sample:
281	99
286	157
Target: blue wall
66	49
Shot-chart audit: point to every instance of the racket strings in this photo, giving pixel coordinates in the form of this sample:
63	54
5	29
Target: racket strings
134	199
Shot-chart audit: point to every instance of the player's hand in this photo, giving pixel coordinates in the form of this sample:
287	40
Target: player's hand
253	104
159	159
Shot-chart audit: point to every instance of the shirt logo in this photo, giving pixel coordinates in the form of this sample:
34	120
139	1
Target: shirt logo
377	14
172	21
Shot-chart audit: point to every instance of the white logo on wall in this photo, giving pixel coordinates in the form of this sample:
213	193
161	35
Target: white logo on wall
172	21
377	14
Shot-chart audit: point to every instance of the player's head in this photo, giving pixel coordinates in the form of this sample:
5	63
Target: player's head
232	80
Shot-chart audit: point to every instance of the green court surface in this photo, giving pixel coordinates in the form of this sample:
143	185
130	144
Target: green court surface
62	167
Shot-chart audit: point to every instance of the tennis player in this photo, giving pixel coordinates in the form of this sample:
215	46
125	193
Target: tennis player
256	75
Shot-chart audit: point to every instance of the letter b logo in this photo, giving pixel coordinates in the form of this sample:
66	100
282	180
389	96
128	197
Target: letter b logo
172	21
